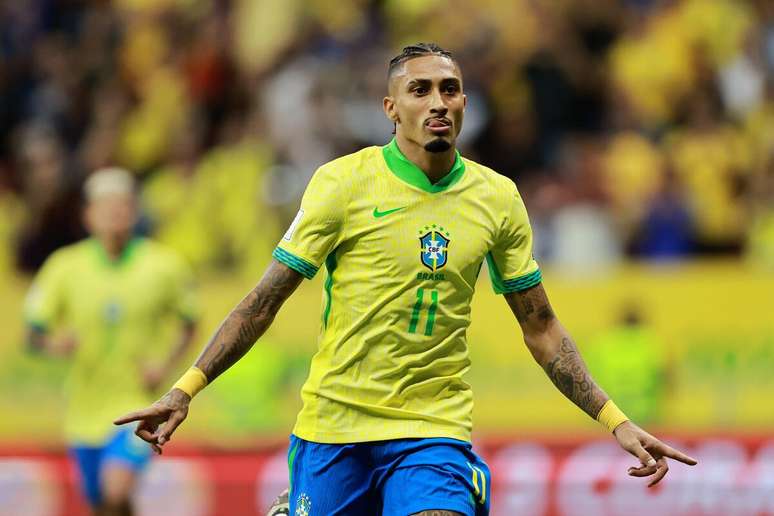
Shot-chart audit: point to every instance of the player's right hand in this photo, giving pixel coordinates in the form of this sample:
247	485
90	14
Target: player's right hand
651	452
159	421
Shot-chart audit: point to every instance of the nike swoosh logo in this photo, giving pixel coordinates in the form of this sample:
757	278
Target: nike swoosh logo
379	214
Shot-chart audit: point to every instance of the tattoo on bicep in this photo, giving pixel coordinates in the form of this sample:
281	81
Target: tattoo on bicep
531	305
248	321
571	376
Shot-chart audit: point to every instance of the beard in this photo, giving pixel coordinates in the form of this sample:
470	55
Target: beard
437	145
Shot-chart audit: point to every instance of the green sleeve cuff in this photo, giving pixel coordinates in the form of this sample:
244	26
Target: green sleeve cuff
37	326
188	318
522	283
503	286
301	266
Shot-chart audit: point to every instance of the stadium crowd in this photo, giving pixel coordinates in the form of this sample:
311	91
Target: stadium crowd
639	128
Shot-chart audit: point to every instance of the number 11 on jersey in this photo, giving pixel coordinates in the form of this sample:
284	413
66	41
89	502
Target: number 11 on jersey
415	314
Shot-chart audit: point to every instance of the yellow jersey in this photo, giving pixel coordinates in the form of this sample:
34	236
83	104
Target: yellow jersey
402	256
115	310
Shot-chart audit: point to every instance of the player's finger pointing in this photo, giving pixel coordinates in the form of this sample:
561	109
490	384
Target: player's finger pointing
138	415
670	452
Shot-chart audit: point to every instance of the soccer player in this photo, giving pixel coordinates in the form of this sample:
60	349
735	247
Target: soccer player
111	292
403	231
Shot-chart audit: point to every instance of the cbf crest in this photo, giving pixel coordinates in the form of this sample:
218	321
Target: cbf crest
303	505
434	247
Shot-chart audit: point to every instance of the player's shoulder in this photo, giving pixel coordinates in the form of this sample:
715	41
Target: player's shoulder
350	165
70	253
490	179
67	261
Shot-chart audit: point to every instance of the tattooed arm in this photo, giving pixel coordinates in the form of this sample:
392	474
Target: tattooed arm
235	336
553	348
248	321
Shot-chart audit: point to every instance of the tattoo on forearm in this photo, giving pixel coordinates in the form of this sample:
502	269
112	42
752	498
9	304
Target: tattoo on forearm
531	305
571	376
248	321
566	367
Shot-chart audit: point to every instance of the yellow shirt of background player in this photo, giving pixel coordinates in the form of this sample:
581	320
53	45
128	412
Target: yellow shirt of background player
115	310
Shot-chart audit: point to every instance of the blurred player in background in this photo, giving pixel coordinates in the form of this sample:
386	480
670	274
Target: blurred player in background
111	293
403	231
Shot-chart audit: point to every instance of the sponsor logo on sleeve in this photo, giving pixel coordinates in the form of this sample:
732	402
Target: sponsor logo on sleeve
292	229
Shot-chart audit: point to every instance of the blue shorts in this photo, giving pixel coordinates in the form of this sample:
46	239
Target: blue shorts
392	478
123	448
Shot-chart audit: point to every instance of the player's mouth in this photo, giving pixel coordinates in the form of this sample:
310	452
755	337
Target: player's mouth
438	126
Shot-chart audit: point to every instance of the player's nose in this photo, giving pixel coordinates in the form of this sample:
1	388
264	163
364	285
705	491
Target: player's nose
438	108
437	105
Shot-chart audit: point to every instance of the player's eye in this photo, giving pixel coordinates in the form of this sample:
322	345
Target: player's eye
420	90
451	89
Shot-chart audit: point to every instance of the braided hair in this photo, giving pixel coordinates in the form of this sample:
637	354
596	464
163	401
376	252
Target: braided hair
417	50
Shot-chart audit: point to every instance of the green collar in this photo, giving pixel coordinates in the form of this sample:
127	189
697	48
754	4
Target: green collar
123	259
413	175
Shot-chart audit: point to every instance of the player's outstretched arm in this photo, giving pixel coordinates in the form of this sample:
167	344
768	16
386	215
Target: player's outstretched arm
235	336
249	320
553	348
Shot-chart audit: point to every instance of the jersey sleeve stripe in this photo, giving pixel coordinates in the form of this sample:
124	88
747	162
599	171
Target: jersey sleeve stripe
523	283
330	265
503	286
296	263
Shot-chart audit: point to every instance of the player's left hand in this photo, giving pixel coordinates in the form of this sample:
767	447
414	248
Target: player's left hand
157	422
651	452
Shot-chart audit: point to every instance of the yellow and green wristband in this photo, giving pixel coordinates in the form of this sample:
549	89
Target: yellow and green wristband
192	381
611	416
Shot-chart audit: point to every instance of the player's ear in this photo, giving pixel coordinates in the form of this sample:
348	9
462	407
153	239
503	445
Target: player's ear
390	110
464	101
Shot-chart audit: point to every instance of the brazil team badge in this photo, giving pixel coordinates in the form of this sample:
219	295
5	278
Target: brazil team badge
303	505
434	247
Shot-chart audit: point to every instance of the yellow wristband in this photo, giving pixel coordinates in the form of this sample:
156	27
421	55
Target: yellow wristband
611	416
192	381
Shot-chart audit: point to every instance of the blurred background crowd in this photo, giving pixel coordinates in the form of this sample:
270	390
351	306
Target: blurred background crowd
639	128
639	132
